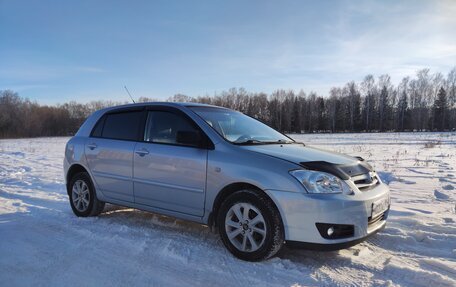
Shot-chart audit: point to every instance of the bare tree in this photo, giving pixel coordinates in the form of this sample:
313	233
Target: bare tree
424	102
368	87
451	91
332	106
402	104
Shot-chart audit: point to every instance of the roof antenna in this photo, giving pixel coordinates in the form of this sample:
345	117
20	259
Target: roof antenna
129	95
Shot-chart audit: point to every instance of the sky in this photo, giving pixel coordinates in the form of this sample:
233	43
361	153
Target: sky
59	51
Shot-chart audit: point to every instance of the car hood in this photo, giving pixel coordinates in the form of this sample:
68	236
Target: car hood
298	153
341	165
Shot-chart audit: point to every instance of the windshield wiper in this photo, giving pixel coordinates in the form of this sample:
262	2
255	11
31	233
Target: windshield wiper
258	142
279	142
249	142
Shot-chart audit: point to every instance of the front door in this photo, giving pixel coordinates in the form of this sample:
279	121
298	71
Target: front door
167	174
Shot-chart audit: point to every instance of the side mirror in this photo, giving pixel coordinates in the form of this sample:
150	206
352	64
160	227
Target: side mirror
191	138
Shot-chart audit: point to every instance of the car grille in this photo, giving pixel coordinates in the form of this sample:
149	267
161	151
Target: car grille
372	221
365	181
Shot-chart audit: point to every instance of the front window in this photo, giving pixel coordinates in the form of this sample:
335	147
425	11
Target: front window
166	127
238	128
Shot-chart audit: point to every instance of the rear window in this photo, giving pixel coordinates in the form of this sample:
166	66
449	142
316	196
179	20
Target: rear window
122	126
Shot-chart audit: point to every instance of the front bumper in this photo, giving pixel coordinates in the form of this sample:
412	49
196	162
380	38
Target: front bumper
331	246
301	211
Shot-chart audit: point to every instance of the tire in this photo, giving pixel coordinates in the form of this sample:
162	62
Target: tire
265	231
88	203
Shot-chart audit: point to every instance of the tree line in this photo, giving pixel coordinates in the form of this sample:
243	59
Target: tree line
426	102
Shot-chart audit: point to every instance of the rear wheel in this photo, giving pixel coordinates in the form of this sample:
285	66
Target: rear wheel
250	226
82	195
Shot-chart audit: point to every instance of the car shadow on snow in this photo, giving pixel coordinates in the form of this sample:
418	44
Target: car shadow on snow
132	218
142	219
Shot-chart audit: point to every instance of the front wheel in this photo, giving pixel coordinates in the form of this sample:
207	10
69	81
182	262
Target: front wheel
250	226
83	198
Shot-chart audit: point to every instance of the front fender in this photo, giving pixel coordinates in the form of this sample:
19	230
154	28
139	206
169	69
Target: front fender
229	165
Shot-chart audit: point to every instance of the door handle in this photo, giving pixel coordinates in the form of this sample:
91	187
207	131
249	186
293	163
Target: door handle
142	152
92	146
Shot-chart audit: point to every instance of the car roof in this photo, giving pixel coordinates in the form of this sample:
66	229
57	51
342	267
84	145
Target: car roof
169	104
87	126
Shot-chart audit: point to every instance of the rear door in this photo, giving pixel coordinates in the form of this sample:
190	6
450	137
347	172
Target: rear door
167	174
109	153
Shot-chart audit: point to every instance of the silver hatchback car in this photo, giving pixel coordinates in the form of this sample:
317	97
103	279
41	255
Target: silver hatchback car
259	188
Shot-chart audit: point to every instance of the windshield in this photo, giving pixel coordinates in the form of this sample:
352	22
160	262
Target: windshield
238	128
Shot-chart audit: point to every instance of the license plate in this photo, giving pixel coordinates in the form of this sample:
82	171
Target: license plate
380	206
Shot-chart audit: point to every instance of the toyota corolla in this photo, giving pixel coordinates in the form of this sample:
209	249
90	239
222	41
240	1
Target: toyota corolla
259	188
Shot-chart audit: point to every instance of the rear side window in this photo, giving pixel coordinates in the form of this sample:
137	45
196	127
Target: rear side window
96	132
162	127
122	126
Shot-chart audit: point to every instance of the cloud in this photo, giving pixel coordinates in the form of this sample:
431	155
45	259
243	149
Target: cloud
261	47
88	69
33	72
21	88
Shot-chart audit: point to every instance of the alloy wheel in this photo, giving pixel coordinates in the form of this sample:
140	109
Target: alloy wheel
245	227
80	195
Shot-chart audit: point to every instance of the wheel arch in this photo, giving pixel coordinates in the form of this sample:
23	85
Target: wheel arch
74	169
231	188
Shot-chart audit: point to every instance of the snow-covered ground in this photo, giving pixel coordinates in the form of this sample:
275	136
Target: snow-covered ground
43	244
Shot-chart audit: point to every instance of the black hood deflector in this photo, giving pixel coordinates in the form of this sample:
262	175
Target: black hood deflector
342	171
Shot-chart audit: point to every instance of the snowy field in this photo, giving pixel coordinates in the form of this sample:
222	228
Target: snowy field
43	244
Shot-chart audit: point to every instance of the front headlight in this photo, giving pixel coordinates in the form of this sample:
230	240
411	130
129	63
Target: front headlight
320	182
